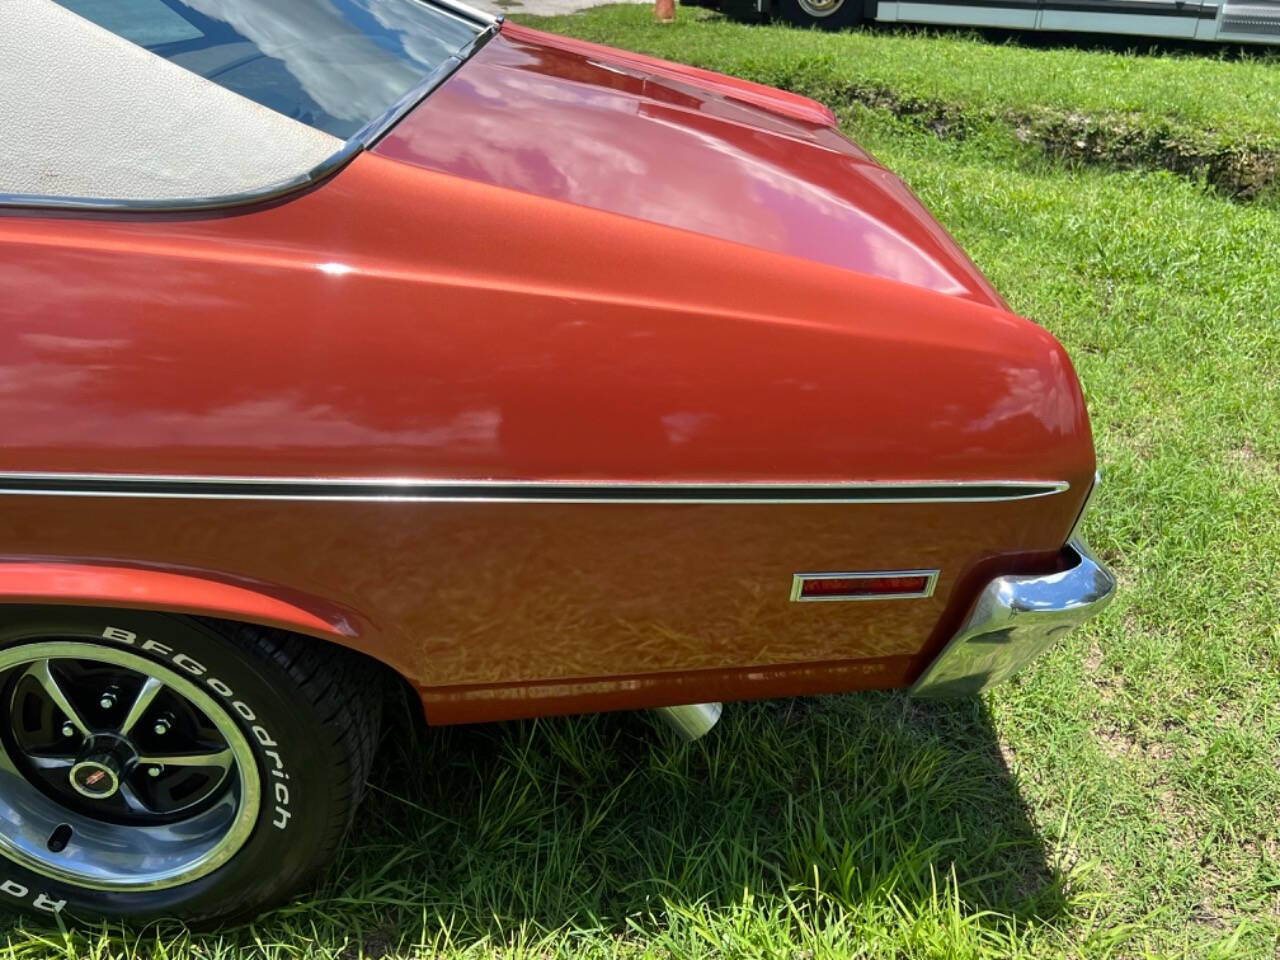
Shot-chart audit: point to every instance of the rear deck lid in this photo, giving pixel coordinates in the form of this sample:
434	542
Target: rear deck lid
680	147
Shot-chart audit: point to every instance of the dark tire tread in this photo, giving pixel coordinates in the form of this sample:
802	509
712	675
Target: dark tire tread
347	692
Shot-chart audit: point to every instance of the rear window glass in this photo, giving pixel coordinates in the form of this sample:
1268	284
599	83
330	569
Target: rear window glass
334	65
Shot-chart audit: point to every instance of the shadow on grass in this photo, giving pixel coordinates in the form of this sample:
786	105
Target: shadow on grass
605	822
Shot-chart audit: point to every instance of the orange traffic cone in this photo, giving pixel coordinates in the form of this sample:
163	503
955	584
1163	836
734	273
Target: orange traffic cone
664	11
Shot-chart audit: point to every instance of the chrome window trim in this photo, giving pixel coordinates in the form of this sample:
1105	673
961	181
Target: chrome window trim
468	11
800	579
402	489
362	139
334	162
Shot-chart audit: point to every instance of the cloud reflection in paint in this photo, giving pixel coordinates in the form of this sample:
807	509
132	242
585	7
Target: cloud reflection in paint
558	124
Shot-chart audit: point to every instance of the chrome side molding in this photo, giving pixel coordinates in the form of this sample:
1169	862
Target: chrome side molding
1014	620
691	720
406	489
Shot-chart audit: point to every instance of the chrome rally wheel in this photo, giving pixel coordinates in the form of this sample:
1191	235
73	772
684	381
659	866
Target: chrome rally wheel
117	773
154	765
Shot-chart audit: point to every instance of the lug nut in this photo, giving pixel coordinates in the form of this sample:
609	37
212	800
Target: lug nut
162	726
68	729
154	771
107	701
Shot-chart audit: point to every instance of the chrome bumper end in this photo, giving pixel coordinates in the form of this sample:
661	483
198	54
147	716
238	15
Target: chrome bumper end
1014	620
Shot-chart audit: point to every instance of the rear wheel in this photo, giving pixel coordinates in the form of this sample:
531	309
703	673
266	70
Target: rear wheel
155	765
826	14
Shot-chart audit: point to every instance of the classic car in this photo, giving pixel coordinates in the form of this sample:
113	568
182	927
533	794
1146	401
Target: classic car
349	344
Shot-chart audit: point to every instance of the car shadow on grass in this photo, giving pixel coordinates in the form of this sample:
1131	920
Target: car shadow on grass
605	822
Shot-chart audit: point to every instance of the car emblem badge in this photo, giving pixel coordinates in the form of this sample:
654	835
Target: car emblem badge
92	779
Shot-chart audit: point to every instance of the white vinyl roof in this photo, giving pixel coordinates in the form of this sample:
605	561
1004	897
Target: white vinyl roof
87	114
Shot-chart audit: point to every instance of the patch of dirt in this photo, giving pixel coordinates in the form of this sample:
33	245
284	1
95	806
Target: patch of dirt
1271	849
1114	744
1253	461
1109	682
1243	172
1122	744
1006	754
1118	141
378	942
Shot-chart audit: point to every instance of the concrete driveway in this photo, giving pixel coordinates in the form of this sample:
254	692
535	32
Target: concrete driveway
542	7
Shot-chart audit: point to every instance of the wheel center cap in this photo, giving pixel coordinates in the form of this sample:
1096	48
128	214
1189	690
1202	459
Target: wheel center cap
95	779
98	770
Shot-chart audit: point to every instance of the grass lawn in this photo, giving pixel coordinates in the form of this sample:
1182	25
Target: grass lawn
1120	799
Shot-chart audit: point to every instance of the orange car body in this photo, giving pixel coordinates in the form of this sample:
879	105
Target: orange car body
544	401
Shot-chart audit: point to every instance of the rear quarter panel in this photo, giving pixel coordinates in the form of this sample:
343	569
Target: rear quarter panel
401	323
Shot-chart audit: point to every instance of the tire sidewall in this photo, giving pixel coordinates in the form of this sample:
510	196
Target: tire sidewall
849	15
295	803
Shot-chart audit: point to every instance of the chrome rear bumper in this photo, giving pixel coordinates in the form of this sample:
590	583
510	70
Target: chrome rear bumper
1013	621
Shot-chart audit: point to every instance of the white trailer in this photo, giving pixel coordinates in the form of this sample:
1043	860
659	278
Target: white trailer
1232	21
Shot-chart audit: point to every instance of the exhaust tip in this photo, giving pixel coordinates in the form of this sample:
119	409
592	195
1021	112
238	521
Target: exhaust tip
691	720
